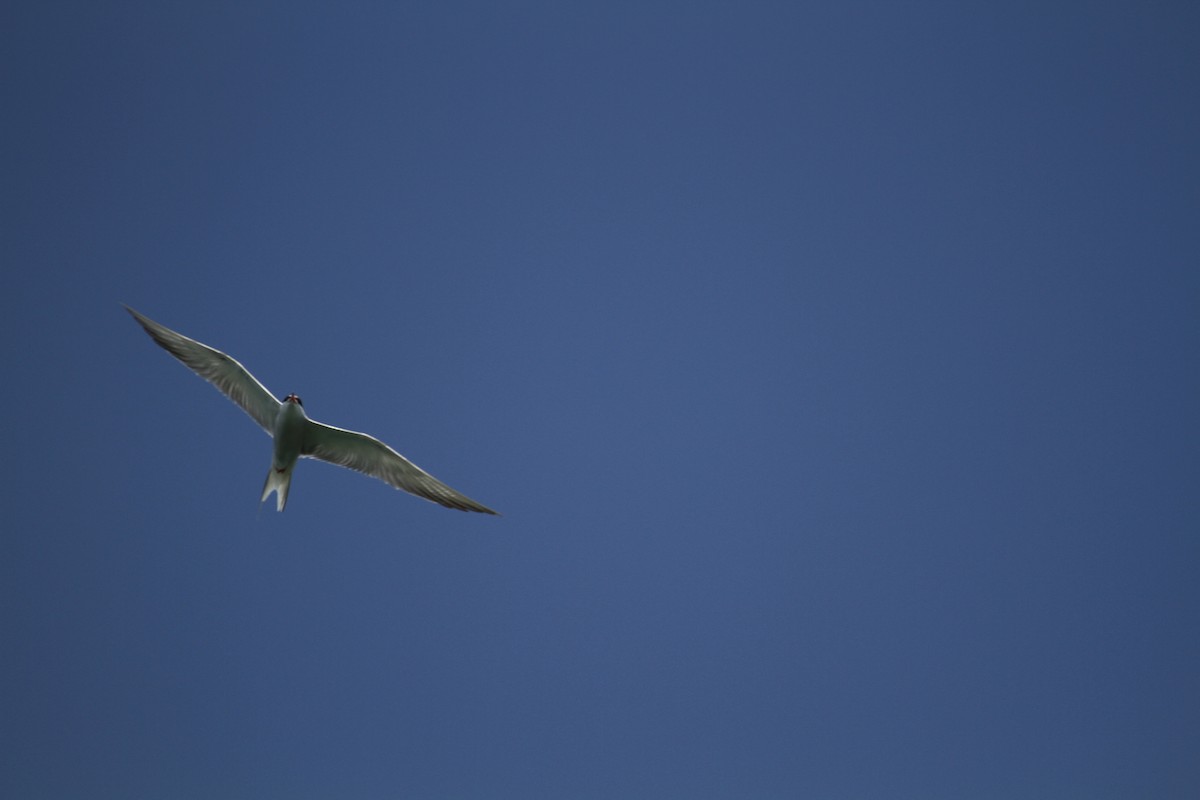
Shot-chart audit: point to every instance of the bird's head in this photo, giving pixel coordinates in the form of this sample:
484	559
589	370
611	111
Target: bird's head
294	398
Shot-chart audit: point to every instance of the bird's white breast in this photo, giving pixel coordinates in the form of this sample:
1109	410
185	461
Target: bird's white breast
289	434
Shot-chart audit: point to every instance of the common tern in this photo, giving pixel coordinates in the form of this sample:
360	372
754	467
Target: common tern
296	436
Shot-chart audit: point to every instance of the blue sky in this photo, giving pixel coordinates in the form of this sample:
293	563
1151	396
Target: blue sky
833	366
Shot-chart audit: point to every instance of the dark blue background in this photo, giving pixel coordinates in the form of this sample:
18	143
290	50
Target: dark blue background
834	367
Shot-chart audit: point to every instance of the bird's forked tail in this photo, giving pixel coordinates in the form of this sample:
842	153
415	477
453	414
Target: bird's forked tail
278	481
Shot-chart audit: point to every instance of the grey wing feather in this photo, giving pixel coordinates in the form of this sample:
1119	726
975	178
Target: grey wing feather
222	371
368	455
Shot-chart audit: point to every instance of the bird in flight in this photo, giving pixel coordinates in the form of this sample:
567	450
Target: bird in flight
296	436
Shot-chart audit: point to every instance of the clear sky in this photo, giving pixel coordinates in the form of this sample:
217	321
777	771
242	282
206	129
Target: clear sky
834	367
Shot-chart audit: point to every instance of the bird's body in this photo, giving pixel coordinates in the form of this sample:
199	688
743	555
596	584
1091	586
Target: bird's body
290	425
295	435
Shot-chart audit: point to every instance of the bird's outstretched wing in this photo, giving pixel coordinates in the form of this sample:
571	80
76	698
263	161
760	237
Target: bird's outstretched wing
234	381
368	455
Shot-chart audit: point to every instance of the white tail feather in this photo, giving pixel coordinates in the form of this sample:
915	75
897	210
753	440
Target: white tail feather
278	481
